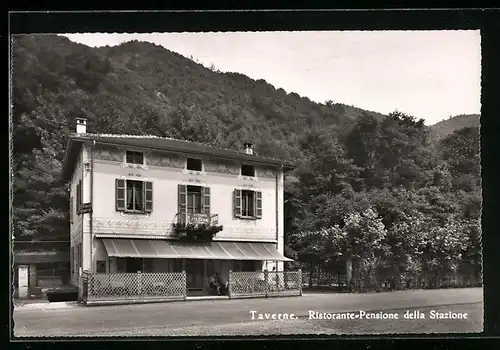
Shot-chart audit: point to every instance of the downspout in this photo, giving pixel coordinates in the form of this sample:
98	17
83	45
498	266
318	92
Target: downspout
92	204
80	254
277	212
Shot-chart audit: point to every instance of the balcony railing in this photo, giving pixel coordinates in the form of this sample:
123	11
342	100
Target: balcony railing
198	219
197	226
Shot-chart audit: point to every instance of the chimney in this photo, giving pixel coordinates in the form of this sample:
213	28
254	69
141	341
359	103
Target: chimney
81	125
248	148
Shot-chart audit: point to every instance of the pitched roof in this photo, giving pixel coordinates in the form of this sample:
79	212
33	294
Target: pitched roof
150	142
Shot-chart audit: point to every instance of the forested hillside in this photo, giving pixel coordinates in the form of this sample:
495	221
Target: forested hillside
138	88
393	199
452	124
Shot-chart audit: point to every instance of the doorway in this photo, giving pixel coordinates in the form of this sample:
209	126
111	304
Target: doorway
194	274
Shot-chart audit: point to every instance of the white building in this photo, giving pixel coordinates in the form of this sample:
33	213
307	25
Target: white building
155	204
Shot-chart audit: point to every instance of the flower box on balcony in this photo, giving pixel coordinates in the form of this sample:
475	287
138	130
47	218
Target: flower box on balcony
197	226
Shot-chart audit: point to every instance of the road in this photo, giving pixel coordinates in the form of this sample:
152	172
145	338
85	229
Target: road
233	317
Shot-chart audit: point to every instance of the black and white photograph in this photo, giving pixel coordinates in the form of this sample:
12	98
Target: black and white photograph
266	183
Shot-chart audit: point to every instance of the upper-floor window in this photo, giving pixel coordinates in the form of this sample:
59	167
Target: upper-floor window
134	196
194	199
248	204
133	157
194	164
247	170
194	204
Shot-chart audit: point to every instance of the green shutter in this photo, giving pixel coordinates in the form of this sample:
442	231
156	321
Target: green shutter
206	200
237	203
182	198
258	205
120	195
148	196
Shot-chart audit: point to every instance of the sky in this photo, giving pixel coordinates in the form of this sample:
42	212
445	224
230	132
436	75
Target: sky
428	74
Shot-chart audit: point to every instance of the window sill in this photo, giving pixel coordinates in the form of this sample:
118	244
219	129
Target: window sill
247	178
134	212
247	217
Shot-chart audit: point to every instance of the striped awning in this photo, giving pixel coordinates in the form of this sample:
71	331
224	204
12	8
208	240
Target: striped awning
152	248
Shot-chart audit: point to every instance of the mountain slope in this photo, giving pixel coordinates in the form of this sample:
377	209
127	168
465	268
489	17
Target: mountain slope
142	88
149	87
446	127
138	88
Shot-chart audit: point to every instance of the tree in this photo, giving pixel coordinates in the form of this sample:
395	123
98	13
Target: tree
392	151
188	123
461	152
40	196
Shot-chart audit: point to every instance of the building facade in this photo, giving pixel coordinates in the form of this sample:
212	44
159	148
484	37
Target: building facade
41	264
149	204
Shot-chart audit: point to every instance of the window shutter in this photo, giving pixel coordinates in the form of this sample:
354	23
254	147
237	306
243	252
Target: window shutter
258	205
77	258
120	195
80	255
206	200
78	197
237	203
148	197
182	198
72	260
71	210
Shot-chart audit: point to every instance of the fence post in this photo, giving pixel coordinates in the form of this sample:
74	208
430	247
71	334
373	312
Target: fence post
80	287
300	284
229	284
85	280
266	278
185	283
139	284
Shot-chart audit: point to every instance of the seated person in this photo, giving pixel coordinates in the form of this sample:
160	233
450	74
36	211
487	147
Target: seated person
214	287
223	284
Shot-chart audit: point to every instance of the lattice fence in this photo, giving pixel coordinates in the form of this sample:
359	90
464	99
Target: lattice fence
141	286
275	283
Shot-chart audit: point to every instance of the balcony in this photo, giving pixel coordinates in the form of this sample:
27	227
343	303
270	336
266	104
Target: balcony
196	226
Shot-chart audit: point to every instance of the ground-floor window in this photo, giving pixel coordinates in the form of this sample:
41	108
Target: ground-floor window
133	265
210	267
248	265
177	265
245	265
147	265
101	266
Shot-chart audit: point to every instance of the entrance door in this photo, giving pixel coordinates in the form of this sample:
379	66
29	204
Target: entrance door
194	273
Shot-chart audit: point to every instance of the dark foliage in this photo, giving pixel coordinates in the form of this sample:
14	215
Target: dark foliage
348	160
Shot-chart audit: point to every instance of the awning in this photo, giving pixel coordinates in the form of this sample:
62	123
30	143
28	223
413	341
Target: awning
152	248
